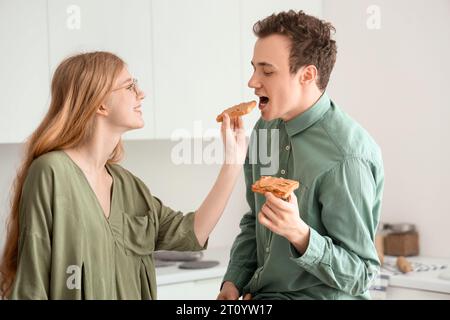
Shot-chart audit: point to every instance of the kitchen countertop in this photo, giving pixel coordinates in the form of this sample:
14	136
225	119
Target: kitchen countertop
173	274
424	277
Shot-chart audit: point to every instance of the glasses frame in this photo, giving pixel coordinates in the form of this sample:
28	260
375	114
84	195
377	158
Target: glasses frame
133	85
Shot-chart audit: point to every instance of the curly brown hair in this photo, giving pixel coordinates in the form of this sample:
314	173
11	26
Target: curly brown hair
310	38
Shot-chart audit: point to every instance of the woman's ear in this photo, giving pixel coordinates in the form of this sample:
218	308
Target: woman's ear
308	74
103	110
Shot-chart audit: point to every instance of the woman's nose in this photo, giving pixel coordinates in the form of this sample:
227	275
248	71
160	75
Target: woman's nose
141	94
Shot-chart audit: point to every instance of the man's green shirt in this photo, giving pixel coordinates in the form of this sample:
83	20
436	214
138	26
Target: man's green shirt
340	170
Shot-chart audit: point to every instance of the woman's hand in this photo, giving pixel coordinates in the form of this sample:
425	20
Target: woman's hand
211	209
233	136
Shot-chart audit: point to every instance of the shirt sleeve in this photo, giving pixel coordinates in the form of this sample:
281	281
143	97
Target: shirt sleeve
345	257
32	279
243	263
176	230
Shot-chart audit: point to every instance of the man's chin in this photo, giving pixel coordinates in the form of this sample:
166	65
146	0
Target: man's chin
267	117
140	124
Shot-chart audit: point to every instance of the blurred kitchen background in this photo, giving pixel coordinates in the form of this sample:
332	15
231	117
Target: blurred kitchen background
192	58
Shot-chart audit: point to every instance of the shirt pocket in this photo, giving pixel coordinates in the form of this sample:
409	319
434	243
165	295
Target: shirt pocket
139	233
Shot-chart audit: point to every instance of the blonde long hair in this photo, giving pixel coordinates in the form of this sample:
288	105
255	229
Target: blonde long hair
80	85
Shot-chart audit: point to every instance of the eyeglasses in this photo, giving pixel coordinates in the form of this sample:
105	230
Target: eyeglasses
133	86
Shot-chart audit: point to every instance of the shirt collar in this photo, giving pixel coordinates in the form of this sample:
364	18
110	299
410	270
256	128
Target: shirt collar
309	117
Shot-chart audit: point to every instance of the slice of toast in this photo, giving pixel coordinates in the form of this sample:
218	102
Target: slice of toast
279	187
238	110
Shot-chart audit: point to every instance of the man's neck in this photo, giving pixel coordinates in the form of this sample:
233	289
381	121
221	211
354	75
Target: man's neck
309	99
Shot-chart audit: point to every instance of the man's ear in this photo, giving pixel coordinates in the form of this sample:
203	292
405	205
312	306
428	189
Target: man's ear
103	110
308	74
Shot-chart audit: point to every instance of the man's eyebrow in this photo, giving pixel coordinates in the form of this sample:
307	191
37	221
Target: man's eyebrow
263	64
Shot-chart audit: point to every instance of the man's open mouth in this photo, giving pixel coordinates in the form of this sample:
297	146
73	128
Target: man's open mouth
263	101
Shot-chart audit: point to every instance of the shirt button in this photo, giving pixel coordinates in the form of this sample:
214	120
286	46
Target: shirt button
287	148
283	171
256	276
267	249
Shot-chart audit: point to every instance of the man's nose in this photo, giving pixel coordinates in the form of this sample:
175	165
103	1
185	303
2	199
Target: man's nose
253	82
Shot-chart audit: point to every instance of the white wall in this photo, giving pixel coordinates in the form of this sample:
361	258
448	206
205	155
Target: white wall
394	81
9	163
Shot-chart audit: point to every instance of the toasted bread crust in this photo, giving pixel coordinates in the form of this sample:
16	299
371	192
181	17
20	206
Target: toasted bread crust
279	187
237	110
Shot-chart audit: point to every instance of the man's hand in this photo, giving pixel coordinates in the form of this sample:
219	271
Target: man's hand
283	218
228	292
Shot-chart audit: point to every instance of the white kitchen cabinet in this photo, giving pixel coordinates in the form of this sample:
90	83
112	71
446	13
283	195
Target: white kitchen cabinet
251	12
191	57
197	66
202	54
119	26
24	73
206	289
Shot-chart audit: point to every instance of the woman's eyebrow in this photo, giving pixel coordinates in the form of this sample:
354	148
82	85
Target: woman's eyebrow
127	80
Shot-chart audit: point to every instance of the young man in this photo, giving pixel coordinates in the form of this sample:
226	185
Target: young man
320	244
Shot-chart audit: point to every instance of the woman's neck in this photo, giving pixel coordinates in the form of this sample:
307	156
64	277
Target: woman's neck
92	155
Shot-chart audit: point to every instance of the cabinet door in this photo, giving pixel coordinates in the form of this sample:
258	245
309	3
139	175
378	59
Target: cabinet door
206	289
119	26
197	68
24	73
251	12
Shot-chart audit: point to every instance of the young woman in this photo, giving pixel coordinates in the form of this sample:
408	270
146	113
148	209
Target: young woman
81	226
